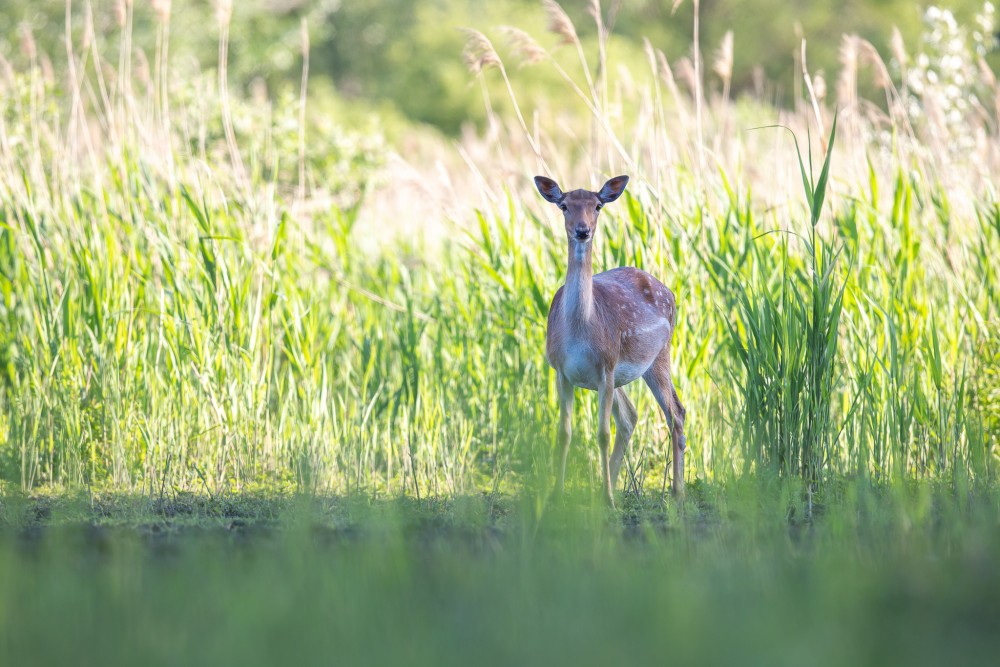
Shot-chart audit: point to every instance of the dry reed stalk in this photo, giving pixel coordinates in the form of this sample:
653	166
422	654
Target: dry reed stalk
162	82
814	103
870	56
847	83
162	10
531	52
102	84
819	85
898	48
303	88
524	45
29	49
594	10
685	72
120	11
479	54
223	14
722	65
659	115
71	74
667	75
123	80
990	81
895	101
560	24
696	78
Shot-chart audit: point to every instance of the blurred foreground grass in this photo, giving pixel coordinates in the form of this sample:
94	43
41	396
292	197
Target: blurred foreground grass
738	576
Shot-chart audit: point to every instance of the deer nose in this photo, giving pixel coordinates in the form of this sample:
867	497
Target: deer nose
582	233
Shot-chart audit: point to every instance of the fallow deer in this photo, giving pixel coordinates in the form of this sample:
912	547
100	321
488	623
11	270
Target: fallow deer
605	331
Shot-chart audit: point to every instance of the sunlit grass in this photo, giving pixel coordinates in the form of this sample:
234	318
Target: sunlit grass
172	322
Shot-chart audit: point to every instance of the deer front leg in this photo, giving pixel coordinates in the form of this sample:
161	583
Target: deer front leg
565	428
605	398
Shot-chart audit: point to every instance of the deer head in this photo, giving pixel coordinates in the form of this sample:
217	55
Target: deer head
580	207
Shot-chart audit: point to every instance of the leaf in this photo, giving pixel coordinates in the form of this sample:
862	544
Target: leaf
200	215
279	235
819	193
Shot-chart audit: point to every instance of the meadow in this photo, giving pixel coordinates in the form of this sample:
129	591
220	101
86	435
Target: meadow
272	382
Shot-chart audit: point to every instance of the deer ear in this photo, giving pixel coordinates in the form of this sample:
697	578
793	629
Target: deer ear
613	189
549	189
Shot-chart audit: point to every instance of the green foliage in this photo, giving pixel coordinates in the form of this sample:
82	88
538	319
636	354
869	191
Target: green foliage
789	355
405	55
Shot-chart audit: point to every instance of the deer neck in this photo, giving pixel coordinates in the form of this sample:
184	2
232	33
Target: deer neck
580	283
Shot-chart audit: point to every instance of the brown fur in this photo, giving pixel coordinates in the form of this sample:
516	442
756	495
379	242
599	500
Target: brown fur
607	334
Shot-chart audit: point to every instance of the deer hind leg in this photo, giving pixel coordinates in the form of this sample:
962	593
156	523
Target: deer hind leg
625	417
658	379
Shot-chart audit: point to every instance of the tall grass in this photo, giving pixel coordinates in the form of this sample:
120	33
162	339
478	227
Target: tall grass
788	351
189	309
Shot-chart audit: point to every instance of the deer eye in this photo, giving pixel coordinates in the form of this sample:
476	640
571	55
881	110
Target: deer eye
598	208
563	207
